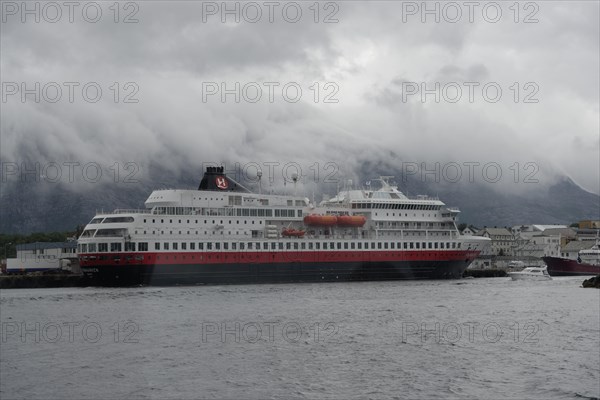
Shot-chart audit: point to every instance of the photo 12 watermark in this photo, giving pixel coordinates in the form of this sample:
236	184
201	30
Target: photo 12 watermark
270	172
252	12
453	12
52	12
69	332
471	172
253	92
69	92
253	332
69	172
471	92
469	332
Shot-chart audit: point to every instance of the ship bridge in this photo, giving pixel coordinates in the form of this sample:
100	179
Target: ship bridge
386	197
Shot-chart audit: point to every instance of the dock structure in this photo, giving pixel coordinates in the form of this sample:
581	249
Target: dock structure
43	257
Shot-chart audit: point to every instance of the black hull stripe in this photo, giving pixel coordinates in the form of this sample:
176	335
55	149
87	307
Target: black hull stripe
118	275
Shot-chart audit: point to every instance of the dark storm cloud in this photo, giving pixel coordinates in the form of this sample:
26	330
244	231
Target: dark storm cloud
171	53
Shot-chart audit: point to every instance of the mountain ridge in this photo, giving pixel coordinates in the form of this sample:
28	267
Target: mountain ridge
37	207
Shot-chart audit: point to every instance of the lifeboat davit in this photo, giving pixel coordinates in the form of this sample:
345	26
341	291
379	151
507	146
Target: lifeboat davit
291	232
320	220
351	220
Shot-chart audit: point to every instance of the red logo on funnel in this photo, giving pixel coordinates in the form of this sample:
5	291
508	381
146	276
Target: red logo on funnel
221	182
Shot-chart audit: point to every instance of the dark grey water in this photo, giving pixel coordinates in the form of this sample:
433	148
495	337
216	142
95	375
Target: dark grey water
478	338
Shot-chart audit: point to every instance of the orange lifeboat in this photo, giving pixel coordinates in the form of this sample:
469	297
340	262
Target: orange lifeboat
320	220
291	232
351	220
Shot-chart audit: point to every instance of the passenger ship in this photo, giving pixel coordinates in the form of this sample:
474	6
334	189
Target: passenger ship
223	233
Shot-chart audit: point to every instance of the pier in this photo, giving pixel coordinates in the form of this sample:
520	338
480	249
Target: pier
27	281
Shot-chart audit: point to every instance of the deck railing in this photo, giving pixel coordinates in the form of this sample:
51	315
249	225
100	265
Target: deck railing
124	211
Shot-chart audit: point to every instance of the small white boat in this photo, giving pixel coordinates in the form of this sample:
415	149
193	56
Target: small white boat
531	274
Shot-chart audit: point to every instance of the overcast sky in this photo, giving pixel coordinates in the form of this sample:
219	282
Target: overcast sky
361	67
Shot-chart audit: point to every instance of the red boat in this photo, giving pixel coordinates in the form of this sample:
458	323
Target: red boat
565	267
587	263
351	220
291	232
320	220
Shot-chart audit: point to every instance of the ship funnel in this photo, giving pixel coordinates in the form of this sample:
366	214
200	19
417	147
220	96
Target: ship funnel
215	179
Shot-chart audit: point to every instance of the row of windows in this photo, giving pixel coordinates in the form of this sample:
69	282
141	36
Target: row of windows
237	201
395	206
114	247
217	246
88	233
394	224
206	221
119	232
111	220
103	232
228	212
41	251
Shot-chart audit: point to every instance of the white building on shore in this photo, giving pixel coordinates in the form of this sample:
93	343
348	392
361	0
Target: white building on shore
571	250
43	256
502	241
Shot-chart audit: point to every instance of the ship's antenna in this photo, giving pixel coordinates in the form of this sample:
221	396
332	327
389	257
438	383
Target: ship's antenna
259	174
295	179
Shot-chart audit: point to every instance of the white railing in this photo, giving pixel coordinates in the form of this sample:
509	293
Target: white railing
124	211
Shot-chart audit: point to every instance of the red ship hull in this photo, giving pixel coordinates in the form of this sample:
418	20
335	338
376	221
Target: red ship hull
565	267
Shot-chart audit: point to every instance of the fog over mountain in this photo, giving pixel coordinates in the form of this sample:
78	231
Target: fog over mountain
356	88
40	205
